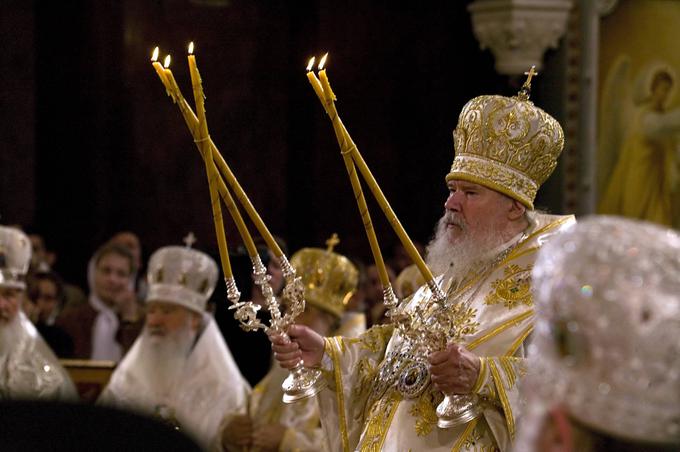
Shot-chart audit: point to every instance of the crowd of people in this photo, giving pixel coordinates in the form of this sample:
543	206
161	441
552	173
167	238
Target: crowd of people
561	336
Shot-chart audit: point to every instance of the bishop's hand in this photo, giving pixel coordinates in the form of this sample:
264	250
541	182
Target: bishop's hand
302	343
454	370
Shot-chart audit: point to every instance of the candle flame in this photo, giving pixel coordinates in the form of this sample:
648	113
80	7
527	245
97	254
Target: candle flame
310	65
154	56
191	47
166	63
323	61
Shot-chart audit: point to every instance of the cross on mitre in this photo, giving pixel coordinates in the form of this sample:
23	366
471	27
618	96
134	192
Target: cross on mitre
530	75
332	242
189	240
525	91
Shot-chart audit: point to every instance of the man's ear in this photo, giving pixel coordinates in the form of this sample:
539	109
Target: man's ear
516	210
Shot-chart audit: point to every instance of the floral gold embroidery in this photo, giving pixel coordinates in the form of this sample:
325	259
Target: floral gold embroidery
478	440
376	338
366	370
424	410
513	289
378	422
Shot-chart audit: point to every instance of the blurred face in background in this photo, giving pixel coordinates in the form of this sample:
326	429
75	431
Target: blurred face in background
46	299
131	242
112	278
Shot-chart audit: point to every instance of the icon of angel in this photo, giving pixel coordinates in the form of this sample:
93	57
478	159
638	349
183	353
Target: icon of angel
639	142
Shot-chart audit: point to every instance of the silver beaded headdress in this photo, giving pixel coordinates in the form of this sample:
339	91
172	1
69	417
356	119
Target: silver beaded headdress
607	335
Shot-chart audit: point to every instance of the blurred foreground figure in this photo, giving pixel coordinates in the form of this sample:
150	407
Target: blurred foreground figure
180	369
605	361
28	368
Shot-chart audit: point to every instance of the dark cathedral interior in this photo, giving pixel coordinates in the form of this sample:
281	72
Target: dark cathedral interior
92	144
469	243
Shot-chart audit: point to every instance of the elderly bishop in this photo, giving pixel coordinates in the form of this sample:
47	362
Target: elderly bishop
180	369
386	386
28	367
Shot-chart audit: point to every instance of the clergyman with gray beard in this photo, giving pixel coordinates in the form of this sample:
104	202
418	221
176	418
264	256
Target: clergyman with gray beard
28	367
180	370
387	389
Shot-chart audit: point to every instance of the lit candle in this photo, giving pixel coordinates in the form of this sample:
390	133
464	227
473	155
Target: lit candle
211	172
316	85
175	92
199	96
193	124
159	69
206	151
353	177
348	147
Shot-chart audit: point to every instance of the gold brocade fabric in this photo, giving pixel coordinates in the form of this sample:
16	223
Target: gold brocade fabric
506	144
356	416
329	278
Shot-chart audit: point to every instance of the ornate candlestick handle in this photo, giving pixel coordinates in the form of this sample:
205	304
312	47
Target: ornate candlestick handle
431	327
457	409
302	382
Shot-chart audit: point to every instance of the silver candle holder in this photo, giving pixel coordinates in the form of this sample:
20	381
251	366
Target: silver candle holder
302	382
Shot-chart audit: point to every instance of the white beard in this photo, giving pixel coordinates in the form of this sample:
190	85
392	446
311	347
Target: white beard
10	334
162	360
455	259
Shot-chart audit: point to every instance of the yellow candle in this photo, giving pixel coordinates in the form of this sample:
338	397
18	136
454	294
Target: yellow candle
159	69
192	123
199	97
351	148
210	172
316	85
245	202
354	181
175	92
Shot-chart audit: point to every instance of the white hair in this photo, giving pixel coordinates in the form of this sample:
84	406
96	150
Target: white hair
454	258
162	359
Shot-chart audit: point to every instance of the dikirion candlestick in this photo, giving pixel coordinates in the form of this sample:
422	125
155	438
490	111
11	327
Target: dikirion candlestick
302	382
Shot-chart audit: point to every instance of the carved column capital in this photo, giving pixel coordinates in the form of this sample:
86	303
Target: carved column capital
518	32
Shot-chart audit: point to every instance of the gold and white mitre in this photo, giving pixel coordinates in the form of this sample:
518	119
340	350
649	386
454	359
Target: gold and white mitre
408	281
182	276
329	278
15	257
506	144
606	342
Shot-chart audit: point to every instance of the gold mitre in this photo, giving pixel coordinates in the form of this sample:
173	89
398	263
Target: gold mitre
506	144
329	278
409	280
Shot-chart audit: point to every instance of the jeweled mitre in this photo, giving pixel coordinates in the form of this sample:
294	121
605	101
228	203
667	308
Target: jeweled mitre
329	278
506	144
182	276
605	345
15	257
